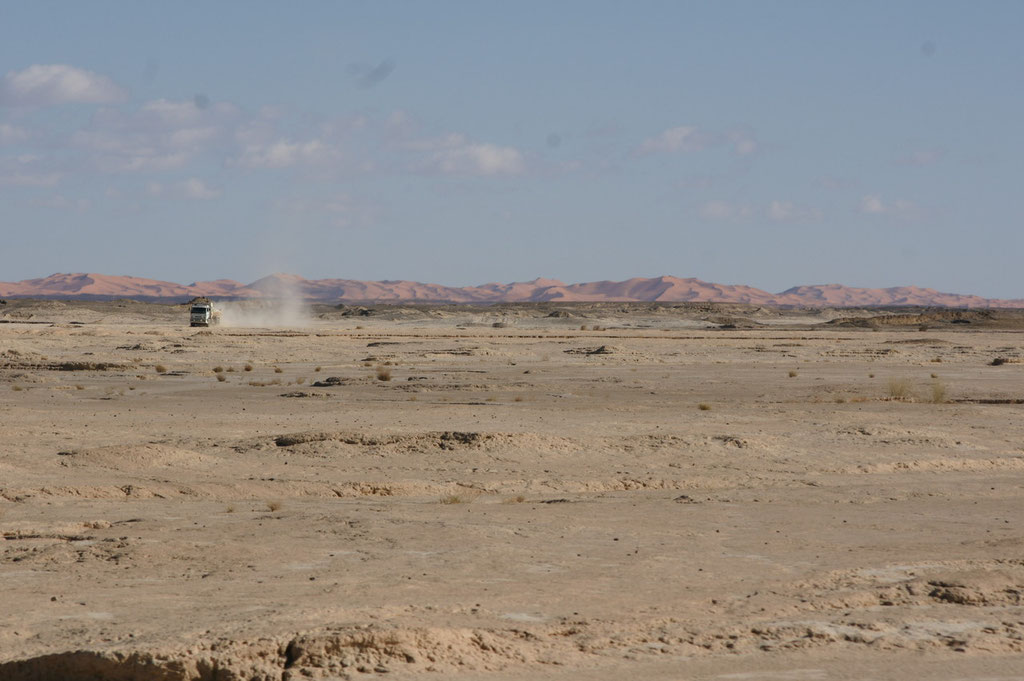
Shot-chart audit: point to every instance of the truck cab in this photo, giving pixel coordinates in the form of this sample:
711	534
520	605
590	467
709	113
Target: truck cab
201	314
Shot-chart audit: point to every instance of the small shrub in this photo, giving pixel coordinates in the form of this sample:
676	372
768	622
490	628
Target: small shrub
936	360
231	370
583	327
273	506
840	400
923	327
935	375
453	499
383	374
247	367
16	388
229	509
792	374
871	375
300	380
704	406
899	389
218	370
490	399
79	386
998	361
359	327
221	378
318	369
160	369
518	398
938	392
278	370
518	499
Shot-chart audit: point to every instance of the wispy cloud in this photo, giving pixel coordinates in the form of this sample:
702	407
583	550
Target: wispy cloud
921	157
689	138
161	135
12	134
454	154
192	189
42	85
873	204
776	210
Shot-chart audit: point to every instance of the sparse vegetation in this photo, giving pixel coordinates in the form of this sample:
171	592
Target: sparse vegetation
274	506
383	374
160	369
317	369
518	499
998	361
230	509
247	367
704	406
261	384
218	370
938	392
79	386
899	389
792	374
278	370
454	499
871	375
583	327
300	380
518	398
17	388
221	378
935	375
230	370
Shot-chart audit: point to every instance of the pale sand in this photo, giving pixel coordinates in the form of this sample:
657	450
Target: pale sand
605	527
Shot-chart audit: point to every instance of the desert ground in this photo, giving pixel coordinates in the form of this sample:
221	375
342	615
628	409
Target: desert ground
511	492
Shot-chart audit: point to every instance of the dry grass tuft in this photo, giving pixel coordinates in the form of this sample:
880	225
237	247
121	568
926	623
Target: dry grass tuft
518	499
273	506
229	509
300	380
383	374
221	378
218	370
454	499
518	398
17	388
317	369
278	370
247	367
79	386
160	369
230	370
938	392
792	374
899	389
704	406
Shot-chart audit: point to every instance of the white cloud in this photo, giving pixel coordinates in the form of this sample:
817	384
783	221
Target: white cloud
27	170
743	142
12	134
787	211
161	135
194	188
725	210
282	153
454	154
51	84
872	204
923	157
681	138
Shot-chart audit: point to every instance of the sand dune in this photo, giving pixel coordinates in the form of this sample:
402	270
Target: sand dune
664	289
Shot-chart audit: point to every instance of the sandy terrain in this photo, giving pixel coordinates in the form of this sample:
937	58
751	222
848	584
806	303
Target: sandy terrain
662	498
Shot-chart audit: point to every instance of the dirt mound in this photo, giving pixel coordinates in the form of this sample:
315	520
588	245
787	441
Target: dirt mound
135	457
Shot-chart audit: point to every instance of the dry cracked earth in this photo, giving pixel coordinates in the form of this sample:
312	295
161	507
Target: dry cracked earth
465	496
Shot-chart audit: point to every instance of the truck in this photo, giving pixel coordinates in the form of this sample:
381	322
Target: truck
202	312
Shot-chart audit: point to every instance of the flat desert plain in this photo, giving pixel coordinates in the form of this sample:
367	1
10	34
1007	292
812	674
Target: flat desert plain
499	493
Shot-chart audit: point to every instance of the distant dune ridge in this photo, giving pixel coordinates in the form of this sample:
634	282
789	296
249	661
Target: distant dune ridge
659	289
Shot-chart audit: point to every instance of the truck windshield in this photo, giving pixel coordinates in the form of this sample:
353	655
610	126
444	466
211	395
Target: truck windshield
200	310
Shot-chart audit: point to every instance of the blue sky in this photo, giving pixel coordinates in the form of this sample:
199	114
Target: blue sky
763	143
